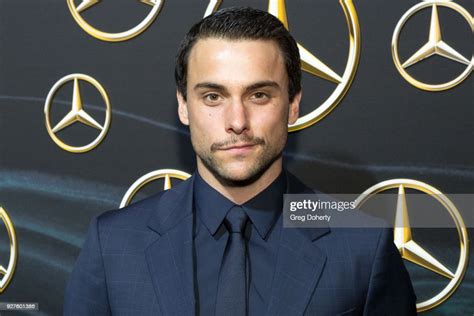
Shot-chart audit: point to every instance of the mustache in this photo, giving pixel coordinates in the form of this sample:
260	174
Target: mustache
245	139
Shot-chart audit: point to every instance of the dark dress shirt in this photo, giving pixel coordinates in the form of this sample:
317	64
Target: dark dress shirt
210	239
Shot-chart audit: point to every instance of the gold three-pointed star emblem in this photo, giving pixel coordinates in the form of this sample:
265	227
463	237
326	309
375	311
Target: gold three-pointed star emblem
77	113
6	274
77	10
435	45
166	174
409	248
314	66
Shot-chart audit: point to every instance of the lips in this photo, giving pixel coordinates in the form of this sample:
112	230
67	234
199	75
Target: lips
239	149
235	145
240	146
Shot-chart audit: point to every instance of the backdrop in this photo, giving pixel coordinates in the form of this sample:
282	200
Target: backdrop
384	127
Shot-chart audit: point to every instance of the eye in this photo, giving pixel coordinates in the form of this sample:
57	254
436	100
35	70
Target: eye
260	97
212	98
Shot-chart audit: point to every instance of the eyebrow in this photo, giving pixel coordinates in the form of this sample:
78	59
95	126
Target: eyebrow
209	85
256	85
263	84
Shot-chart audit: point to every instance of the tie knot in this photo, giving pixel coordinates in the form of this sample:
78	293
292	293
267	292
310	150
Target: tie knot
236	220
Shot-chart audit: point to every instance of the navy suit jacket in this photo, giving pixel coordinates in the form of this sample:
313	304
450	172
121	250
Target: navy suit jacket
139	261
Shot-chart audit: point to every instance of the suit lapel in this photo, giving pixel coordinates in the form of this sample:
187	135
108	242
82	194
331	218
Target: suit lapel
170	256
298	268
299	264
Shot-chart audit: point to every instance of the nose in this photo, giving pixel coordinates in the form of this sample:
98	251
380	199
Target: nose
237	117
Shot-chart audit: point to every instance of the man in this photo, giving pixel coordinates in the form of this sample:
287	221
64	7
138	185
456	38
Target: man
215	244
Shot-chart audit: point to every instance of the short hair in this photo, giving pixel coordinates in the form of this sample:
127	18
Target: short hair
237	24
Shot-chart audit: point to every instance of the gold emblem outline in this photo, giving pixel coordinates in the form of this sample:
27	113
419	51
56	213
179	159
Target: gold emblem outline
277	8
10	270
451	287
120	36
395	39
108	114
167	174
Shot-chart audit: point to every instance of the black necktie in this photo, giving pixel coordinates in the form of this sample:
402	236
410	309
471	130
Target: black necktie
232	286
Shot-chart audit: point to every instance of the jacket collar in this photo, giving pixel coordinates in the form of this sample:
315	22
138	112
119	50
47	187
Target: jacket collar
177	203
173	206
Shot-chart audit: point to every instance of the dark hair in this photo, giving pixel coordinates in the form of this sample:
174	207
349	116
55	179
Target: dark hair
236	24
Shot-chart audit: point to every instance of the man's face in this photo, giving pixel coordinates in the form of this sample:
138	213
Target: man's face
237	107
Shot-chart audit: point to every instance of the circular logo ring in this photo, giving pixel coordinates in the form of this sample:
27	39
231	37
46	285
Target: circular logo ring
115	37
47	109
149	177
349	72
10	270
395	38
455	215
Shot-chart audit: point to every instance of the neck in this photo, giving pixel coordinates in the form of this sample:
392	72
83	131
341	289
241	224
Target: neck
241	194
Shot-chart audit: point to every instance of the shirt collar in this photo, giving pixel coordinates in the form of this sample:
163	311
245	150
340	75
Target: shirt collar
263	209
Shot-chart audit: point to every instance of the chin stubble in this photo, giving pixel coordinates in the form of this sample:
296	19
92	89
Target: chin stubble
263	163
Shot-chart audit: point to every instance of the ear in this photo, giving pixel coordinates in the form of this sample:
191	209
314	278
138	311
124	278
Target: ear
294	111
182	108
